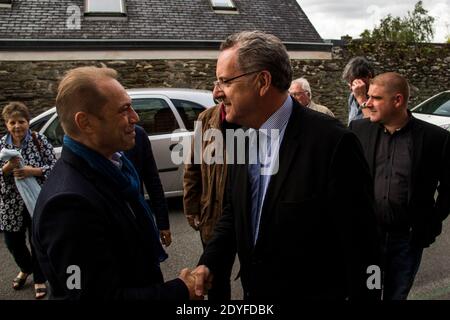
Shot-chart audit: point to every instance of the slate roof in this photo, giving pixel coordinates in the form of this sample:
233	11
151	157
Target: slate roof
158	20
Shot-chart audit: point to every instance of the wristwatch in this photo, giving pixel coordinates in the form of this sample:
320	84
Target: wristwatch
363	105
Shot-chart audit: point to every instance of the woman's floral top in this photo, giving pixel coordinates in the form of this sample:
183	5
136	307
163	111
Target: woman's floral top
38	155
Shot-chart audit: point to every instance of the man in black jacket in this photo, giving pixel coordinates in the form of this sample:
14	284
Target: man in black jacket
409	161
141	155
94	234
298	231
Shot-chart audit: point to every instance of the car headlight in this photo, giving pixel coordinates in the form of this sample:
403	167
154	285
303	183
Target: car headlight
445	126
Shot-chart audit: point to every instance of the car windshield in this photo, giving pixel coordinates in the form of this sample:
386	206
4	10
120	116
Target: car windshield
439	105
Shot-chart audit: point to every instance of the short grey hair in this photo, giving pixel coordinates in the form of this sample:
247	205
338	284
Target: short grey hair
262	51
302	82
358	67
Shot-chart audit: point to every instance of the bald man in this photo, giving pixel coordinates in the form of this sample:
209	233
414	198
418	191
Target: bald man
408	159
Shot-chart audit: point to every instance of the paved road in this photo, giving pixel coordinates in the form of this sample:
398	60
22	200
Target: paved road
432	282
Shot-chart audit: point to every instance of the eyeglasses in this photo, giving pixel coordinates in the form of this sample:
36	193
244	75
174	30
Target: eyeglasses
224	83
298	93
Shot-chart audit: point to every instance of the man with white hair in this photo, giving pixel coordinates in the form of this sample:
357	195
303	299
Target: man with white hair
300	90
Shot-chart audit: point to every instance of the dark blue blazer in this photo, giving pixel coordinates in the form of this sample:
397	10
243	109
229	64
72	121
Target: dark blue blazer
80	220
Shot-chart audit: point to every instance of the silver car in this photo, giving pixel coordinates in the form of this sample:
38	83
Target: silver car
161	112
435	110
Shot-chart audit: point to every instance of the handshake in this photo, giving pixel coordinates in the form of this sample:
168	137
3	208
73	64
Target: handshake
198	281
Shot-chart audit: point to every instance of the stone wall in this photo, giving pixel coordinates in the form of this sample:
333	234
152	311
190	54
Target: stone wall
427	66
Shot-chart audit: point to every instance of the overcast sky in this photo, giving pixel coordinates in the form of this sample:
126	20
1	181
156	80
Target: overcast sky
335	18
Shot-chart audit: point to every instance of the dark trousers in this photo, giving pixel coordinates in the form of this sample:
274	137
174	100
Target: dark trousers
401	263
16	244
221	286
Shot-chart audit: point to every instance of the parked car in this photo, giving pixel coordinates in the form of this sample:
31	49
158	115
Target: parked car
161	112
435	110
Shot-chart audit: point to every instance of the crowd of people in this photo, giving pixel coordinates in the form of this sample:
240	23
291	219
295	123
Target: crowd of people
344	199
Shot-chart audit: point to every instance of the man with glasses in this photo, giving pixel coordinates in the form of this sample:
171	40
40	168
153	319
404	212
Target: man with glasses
298	231
300	90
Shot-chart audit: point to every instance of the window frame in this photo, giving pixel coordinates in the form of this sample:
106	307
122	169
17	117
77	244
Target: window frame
105	14
232	6
6	4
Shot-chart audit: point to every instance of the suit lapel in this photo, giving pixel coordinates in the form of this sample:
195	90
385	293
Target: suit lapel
290	146
242	195
110	193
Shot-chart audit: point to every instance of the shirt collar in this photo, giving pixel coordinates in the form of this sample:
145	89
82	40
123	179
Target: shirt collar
280	118
116	159
405	128
24	141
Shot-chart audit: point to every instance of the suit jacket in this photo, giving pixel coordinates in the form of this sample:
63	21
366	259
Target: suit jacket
317	232
141	155
80	220
430	172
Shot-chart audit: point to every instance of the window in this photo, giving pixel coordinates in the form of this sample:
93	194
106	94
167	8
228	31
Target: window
5	3
37	125
438	105
105	8
223	5
155	115
55	133
188	111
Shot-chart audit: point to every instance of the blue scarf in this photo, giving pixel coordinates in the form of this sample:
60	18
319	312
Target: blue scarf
126	180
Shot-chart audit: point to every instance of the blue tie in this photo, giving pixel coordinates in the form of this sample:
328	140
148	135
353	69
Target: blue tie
256	192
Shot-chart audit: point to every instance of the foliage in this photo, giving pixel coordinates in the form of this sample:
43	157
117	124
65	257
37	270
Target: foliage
416	26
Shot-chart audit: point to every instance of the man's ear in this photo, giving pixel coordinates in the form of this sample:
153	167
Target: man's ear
264	82
82	121
399	100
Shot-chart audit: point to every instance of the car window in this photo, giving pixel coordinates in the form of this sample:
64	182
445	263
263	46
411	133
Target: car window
55	133
439	105
37	125
155	115
188	111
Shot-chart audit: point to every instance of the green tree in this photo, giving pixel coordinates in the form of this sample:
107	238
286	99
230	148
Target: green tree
416	26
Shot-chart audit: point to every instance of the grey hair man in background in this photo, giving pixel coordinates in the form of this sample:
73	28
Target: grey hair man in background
300	90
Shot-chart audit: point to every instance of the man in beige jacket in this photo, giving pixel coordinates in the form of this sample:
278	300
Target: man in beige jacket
300	90
204	186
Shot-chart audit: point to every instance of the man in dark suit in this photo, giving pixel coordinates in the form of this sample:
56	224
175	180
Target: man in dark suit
409	160
141	155
95	236
304	229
